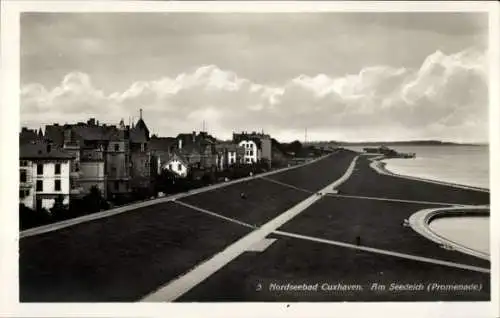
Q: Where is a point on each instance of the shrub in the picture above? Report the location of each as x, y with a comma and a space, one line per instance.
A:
29, 218
59, 210
92, 202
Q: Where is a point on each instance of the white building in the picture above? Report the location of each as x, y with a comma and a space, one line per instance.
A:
44, 175
176, 164
251, 151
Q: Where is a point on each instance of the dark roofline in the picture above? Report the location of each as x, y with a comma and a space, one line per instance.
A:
43, 157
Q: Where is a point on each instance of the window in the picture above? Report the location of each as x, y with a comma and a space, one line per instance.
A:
24, 163
39, 169
117, 185
179, 167
251, 152
57, 185
117, 147
23, 176
170, 167
142, 147
39, 185
57, 169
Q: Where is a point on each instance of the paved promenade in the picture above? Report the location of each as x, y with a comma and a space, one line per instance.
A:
291, 229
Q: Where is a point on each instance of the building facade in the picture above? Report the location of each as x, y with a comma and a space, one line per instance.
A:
257, 146
117, 163
228, 154
44, 175
114, 159
199, 150
140, 156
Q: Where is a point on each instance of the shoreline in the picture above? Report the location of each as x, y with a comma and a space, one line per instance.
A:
381, 165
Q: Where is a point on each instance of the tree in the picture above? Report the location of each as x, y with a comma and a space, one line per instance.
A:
166, 182
295, 147
31, 218
59, 210
94, 200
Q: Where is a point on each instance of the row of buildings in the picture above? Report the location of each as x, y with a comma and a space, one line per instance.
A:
68, 160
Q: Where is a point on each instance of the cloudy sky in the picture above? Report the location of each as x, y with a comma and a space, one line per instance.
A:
344, 76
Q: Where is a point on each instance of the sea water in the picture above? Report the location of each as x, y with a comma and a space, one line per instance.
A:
466, 165
476, 228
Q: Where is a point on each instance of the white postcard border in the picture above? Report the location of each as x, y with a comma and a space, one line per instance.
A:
9, 235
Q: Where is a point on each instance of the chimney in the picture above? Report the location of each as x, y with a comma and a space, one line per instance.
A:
194, 135
180, 144
140, 113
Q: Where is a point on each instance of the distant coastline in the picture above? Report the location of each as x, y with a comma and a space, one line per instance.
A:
399, 143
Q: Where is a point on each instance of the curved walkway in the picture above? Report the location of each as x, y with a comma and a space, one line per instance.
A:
420, 221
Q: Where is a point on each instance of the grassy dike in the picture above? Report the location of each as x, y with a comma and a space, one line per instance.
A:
380, 225
125, 256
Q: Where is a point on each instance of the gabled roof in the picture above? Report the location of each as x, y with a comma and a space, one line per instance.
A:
186, 138
229, 146
190, 149
42, 150
138, 134
28, 136
161, 143
55, 134
141, 125
115, 134
94, 133
175, 155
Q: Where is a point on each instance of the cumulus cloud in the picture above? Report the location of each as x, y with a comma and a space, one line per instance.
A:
446, 98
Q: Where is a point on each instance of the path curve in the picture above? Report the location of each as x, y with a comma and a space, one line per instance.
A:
420, 221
